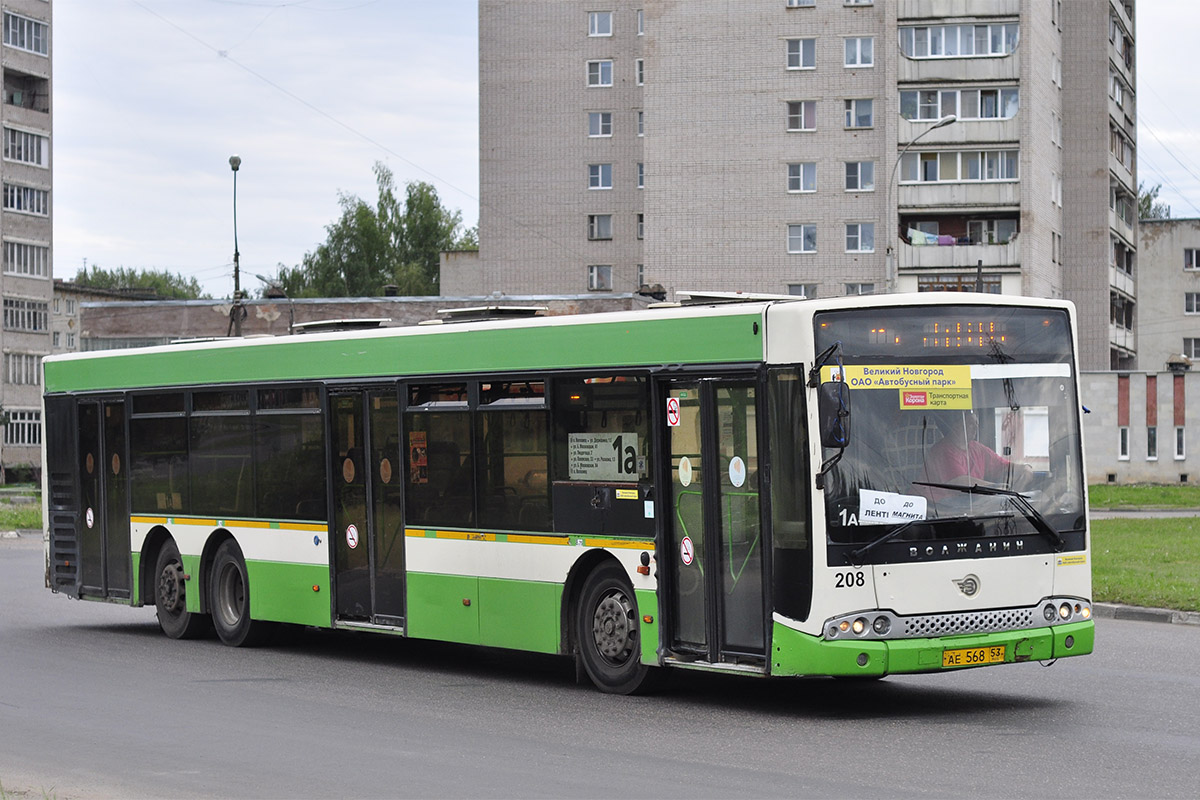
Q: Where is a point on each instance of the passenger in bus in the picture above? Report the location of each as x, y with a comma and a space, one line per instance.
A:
959, 457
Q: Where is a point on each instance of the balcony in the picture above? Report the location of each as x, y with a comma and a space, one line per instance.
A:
1118, 224
1119, 336
973, 195
958, 256
1121, 281
1121, 171
985, 132
993, 69
931, 9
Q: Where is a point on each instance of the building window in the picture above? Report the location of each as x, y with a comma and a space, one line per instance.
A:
953, 166
970, 282
1123, 443
801, 53
26, 200
860, 237
600, 176
802, 238
32, 260
959, 41
860, 51
641, 22
23, 368
966, 104
1191, 302
28, 34
1151, 443
1191, 258
802, 177
599, 278
1116, 89
600, 23
26, 315
56, 338
600, 123
1191, 348
70, 307
860, 288
71, 340
639, 71
27, 148
799, 3
991, 231
24, 428
600, 226
858, 2
1056, 247
860, 176
1180, 444
859, 114
806, 290
641, 179
641, 275
641, 123
641, 226
600, 73
802, 115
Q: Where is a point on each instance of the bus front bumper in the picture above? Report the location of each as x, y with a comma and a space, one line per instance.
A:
795, 653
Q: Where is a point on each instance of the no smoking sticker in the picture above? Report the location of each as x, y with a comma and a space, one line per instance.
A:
673, 412
352, 536
687, 551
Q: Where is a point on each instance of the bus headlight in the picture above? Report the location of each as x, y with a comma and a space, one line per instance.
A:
859, 626
1048, 612
1064, 611
881, 625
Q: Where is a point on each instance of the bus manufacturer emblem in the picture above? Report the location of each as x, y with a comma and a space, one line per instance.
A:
968, 585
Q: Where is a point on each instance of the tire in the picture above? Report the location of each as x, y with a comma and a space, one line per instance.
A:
607, 632
229, 600
170, 597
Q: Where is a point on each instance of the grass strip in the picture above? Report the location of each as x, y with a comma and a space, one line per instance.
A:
1147, 562
1107, 495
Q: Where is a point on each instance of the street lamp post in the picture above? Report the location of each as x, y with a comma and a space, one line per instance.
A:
235, 313
893, 219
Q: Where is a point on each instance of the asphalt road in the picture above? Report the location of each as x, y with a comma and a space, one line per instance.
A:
96, 703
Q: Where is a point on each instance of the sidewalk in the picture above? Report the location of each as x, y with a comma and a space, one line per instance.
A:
1139, 614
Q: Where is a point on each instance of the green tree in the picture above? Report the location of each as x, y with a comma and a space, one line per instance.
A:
1148, 205
168, 285
390, 243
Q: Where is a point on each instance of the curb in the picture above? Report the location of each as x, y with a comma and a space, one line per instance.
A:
1139, 614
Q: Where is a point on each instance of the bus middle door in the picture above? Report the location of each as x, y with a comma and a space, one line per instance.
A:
368, 534
714, 528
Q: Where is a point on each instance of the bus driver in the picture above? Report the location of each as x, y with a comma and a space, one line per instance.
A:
958, 457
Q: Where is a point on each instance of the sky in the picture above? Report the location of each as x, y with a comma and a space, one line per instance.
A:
153, 96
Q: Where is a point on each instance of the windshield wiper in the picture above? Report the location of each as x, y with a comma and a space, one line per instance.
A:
1019, 500
855, 556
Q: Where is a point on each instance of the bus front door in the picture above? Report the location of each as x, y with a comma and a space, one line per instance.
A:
104, 555
715, 534
368, 535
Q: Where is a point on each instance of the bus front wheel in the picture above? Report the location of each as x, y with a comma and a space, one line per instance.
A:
607, 632
170, 597
229, 599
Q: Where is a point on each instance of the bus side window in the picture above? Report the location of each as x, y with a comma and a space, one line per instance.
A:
158, 454
602, 450
440, 461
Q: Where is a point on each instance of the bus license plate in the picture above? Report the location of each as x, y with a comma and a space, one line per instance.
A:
970, 656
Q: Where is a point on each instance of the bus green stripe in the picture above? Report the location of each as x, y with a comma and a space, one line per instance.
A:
651, 341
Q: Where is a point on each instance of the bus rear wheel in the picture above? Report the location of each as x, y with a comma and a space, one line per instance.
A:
170, 597
606, 629
229, 599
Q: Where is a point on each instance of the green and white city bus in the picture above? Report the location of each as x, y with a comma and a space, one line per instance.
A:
763, 487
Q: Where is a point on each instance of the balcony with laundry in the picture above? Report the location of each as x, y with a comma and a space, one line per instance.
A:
958, 241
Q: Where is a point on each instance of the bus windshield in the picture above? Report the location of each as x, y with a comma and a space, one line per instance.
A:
964, 430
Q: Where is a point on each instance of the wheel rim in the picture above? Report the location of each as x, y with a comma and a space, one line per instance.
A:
170, 588
613, 628
231, 595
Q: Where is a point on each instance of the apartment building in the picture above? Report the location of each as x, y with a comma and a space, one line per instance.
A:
1169, 267
816, 147
26, 228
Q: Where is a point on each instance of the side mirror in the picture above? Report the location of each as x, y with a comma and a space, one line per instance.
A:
833, 408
